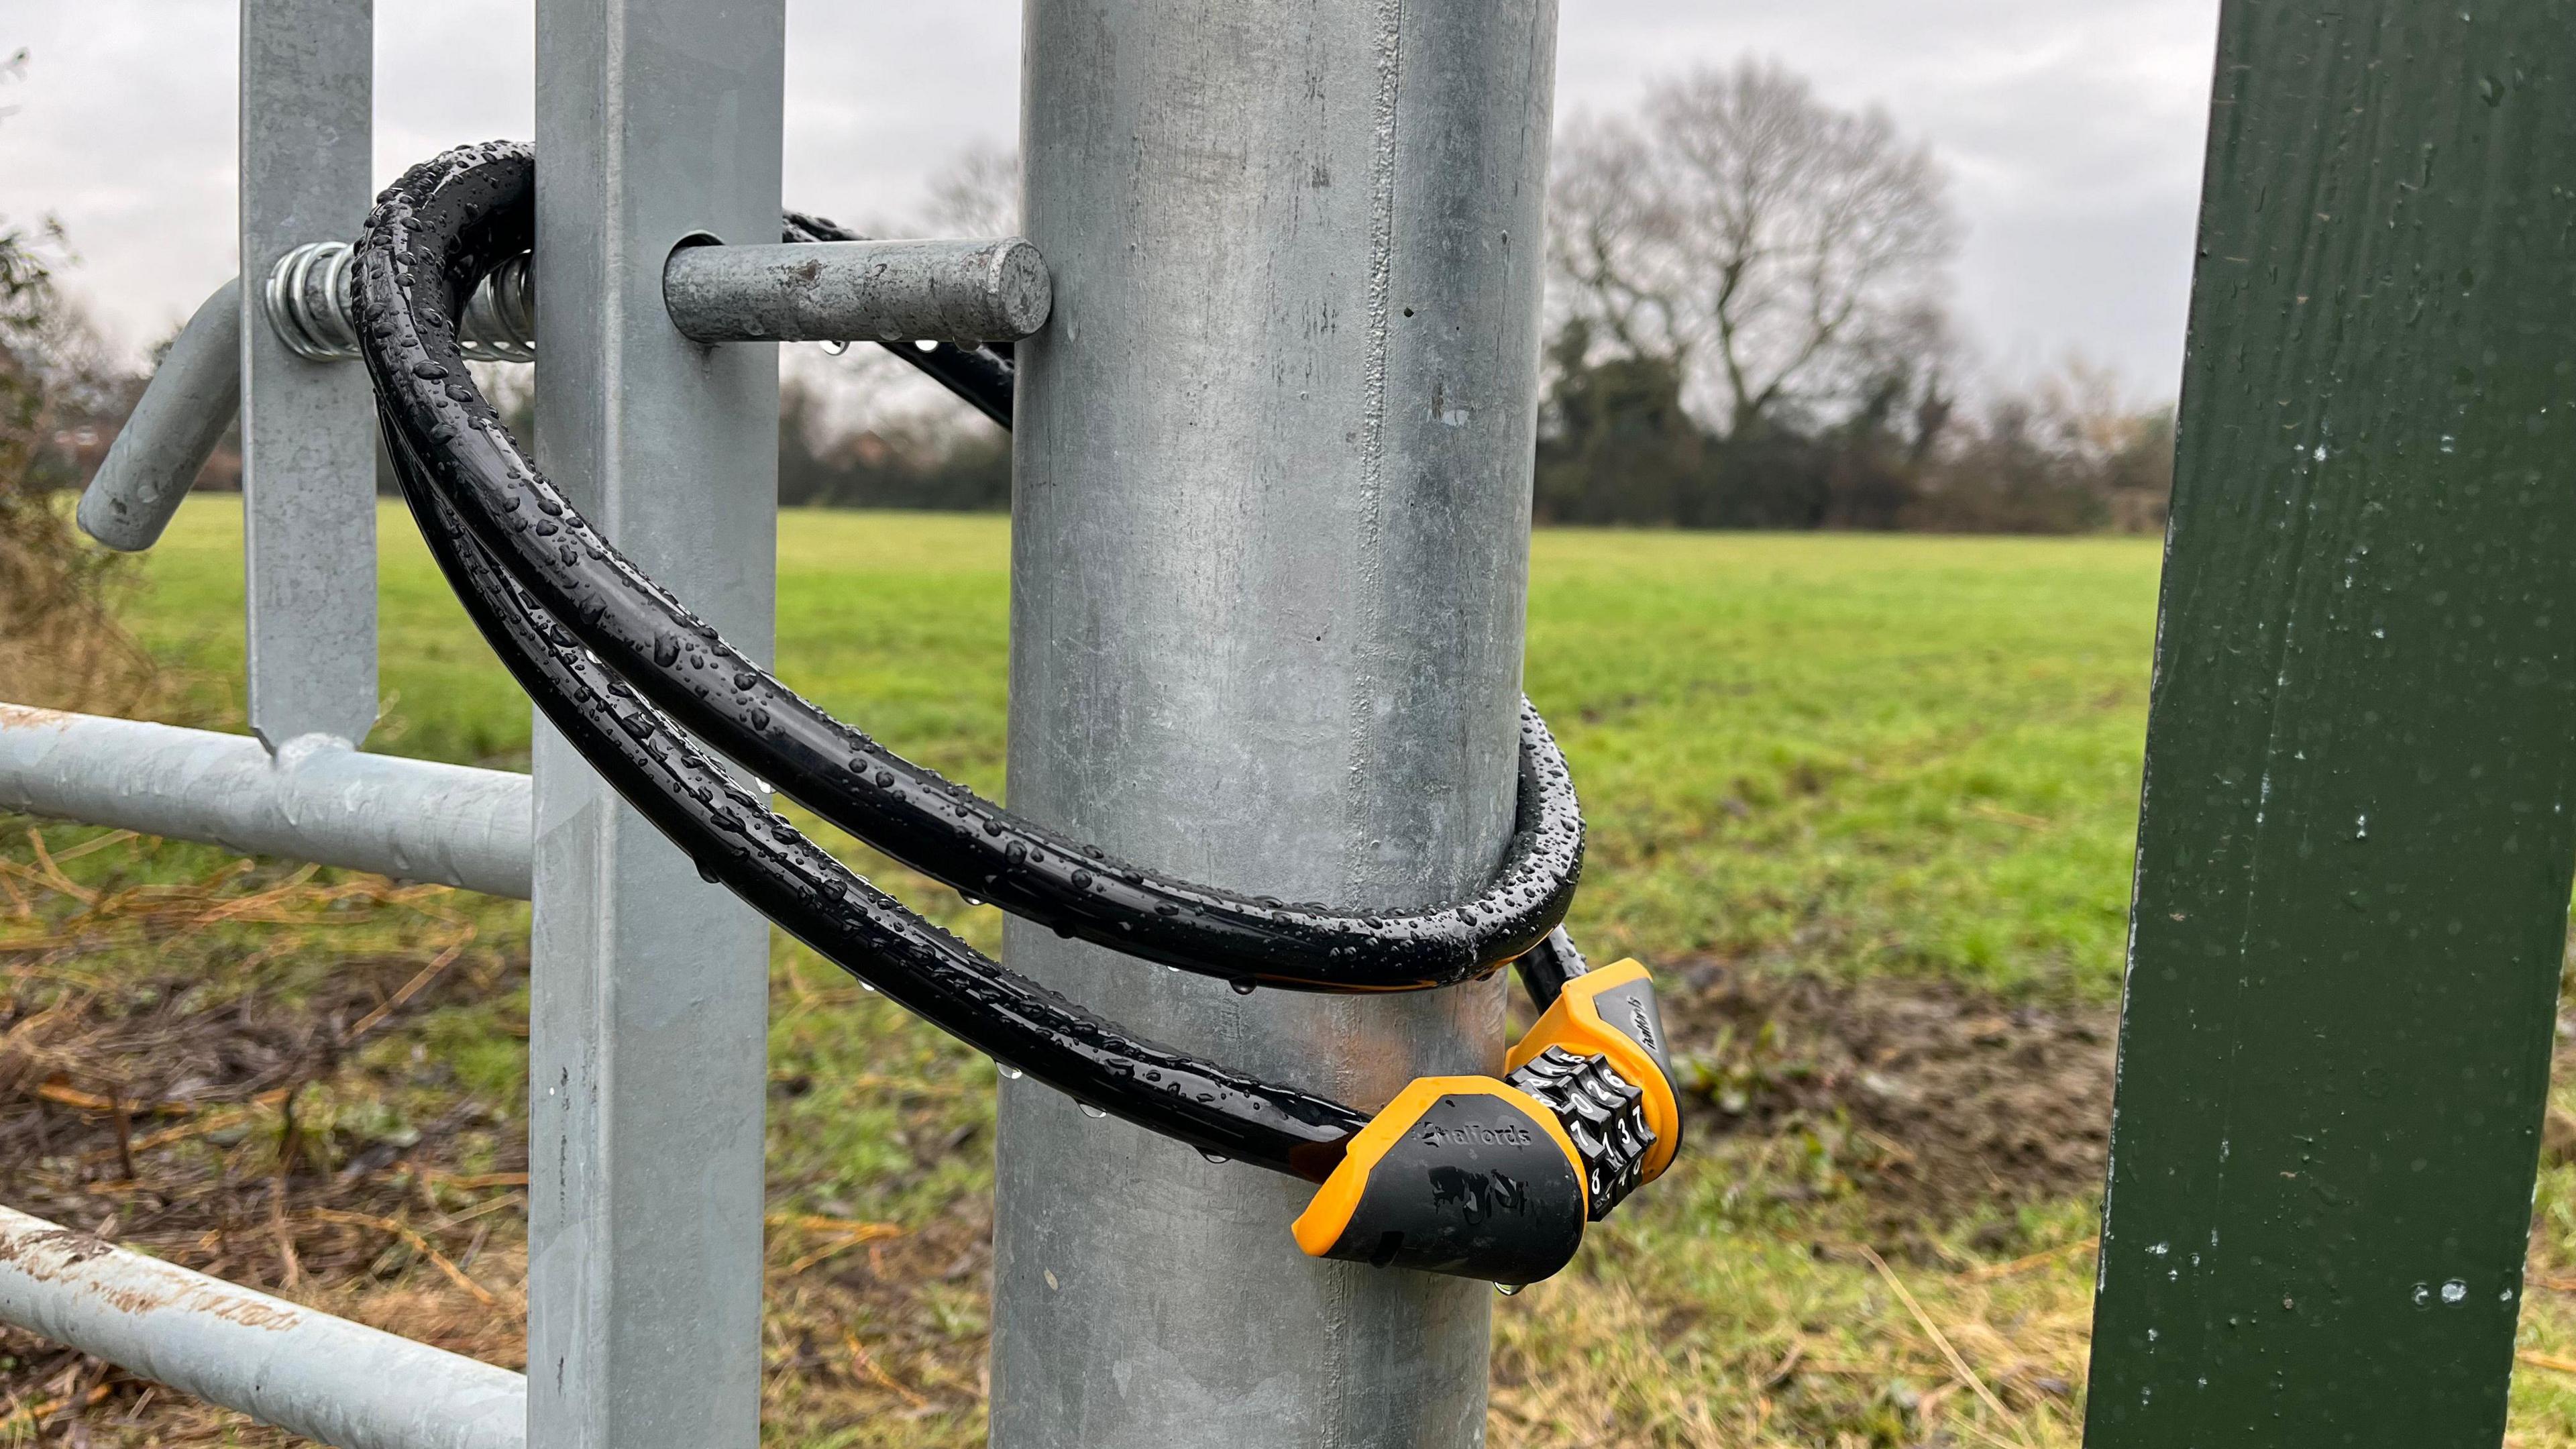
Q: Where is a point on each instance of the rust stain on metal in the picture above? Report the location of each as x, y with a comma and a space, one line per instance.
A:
70, 1249
21, 717
248, 1312
58, 1254
127, 1300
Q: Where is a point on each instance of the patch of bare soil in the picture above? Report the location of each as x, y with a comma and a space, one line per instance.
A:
241, 1133
309, 1143
1947, 1102
119, 1095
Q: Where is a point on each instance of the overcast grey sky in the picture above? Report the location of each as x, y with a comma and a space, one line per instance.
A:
2072, 129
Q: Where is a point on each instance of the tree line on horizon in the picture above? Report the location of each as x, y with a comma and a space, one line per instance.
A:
1748, 320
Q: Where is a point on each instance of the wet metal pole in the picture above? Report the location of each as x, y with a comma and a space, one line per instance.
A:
308, 428
658, 120
1270, 542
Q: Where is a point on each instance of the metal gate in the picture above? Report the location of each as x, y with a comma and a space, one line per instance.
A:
1286, 390
1320, 437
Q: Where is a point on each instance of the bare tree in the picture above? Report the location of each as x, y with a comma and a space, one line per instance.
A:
1779, 252
978, 195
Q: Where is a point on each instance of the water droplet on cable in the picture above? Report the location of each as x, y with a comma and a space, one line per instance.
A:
1089, 1110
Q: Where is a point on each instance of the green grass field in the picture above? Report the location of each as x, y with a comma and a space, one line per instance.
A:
1836, 757
1834, 754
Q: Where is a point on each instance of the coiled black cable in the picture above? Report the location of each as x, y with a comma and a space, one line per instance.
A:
909, 812
587, 634
769, 863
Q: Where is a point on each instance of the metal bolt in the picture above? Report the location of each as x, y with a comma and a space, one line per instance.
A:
844, 291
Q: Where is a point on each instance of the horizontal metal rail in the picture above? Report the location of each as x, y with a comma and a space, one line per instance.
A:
317, 799
849, 291
836, 291
302, 1370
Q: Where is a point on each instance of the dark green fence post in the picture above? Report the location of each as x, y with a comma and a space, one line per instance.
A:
2353, 865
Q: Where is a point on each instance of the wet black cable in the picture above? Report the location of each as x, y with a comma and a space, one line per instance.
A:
458, 215
432, 238
735, 839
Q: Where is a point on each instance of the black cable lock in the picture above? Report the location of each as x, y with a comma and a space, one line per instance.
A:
1467, 1175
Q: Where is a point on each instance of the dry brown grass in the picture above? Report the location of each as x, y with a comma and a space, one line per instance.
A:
60, 644
1747, 1343
256, 1072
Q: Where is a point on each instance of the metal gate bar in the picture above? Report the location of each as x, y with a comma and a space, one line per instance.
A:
659, 121
308, 428
323, 1377
950, 290
193, 396
316, 800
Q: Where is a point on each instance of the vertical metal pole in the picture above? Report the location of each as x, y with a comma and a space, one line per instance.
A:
308, 428
2360, 813
656, 120
1269, 560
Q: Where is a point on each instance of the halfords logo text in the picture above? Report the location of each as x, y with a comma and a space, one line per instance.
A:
1467, 1134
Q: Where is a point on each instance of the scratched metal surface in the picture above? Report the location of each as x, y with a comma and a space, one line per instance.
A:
325, 1378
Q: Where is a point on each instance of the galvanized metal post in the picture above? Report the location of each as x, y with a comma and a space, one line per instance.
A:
308, 428
658, 120
1271, 527
2360, 813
